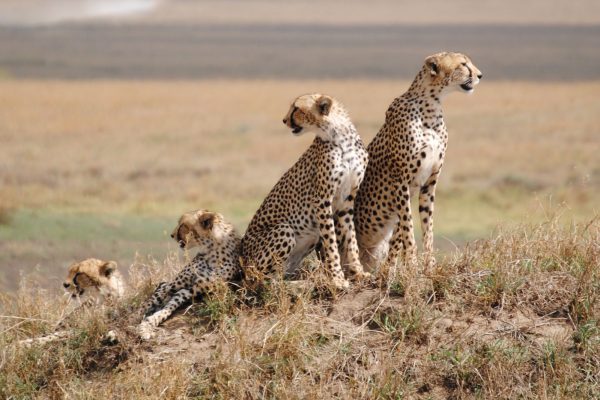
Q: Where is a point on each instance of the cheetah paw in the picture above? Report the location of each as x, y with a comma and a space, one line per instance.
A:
146, 331
341, 283
363, 276
110, 338
358, 273
430, 264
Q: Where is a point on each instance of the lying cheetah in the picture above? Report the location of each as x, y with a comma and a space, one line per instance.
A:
406, 156
90, 281
94, 277
218, 259
314, 200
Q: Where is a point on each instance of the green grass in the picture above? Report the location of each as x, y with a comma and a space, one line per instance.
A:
44, 240
41, 243
62, 226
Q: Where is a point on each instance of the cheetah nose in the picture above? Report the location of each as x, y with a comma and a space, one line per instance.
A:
172, 236
285, 120
66, 285
480, 75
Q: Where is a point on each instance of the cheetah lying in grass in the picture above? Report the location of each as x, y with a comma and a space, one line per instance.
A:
90, 282
218, 259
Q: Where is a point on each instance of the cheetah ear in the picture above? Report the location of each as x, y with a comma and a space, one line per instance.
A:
206, 220
432, 66
433, 63
108, 268
324, 104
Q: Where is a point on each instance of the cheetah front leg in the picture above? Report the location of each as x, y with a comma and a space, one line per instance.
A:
147, 326
426, 199
157, 299
202, 280
346, 235
329, 243
152, 317
395, 247
403, 238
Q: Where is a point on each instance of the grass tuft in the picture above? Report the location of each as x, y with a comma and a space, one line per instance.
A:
515, 316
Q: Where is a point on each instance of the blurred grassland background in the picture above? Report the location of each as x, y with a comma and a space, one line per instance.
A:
110, 128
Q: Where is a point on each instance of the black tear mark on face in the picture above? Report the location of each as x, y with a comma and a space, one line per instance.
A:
468, 69
295, 127
78, 290
179, 237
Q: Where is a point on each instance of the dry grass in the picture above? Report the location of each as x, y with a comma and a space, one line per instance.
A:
515, 316
104, 169
118, 145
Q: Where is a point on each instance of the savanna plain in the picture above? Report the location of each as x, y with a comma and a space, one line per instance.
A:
105, 168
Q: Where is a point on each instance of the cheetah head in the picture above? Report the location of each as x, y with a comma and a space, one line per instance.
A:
93, 275
310, 112
454, 71
198, 228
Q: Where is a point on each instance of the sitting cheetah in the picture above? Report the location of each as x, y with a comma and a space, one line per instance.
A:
313, 202
218, 258
98, 281
406, 156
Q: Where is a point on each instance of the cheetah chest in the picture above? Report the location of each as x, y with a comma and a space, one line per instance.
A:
429, 160
349, 173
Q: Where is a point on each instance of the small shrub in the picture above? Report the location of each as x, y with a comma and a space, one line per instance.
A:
402, 324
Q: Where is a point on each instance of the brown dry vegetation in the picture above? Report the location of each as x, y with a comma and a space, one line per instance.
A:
515, 316
104, 168
125, 146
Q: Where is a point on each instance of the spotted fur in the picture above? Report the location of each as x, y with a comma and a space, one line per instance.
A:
89, 282
314, 200
217, 260
95, 278
405, 158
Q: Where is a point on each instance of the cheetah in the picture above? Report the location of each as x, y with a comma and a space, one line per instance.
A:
218, 259
313, 203
91, 281
406, 158
99, 278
